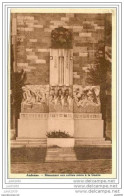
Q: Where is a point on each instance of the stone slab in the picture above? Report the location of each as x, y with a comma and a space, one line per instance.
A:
27, 142
61, 142
66, 156
32, 128
88, 128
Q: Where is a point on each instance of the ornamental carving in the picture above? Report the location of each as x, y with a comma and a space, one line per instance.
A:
44, 99
60, 99
86, 99
35, 98
61, 38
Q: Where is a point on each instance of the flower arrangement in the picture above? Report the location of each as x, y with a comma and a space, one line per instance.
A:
58, 134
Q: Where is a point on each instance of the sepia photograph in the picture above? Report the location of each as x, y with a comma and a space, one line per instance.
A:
60, 92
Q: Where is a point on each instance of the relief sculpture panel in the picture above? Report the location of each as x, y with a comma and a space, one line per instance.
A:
60, 99
35, 99
87, 99
44, 99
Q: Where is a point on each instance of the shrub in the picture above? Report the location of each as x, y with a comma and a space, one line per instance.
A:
58, 134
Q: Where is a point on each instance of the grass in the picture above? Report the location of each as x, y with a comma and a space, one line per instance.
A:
21, 155
91, 160
38, 154
88, 153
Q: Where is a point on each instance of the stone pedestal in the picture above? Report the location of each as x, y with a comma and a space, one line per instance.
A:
88, 125
62, 122
88, 128
32, 125
36, 125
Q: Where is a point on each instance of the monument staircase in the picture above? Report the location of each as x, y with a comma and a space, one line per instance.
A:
26, 142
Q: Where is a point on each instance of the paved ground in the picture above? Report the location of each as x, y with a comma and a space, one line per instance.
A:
89, 160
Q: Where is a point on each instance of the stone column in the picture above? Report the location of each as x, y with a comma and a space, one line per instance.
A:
54, 67
61, 67
71, 67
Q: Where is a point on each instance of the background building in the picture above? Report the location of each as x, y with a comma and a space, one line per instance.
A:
61, 54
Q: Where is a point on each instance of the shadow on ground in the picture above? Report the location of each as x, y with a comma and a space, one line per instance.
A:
22, 155
38, 154
88, 153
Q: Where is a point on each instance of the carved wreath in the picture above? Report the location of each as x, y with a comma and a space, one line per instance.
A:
61, 38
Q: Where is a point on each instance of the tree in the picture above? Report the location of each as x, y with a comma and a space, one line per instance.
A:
18, 80
98, 75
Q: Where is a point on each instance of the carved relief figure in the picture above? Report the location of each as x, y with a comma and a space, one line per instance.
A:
33, 96
60, 99
86, 99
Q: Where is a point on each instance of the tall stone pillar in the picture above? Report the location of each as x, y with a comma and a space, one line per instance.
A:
61, 101
61, 67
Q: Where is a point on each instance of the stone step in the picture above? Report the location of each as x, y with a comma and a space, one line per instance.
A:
84, 142
50, 159
62, 150
31, 139
97, 146
22, 142
20, 145
36, 145
90, 139
92, 142
27, 142
60, 154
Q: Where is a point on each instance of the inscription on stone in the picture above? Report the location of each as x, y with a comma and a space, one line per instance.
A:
60, 116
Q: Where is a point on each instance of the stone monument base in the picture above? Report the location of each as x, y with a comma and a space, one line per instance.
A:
32, 125
86, 129
61, 121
